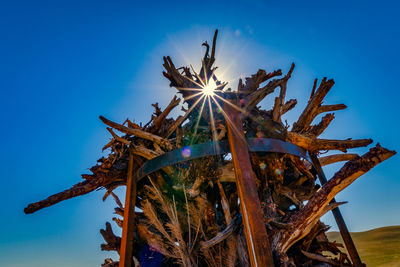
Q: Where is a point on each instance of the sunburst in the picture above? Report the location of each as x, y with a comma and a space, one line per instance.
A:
207, 92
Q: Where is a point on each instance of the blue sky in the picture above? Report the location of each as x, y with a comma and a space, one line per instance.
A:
64, 63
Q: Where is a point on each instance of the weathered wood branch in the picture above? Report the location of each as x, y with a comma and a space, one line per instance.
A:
336, 158
258, 95
131, 124
144, 152
313, 144
224, 234
116, 138
110, 263
159, 119
113, 242
181, 119
313, 89
254, 81
118, 221
311, 110
227, 173
206, 71
117, 200
282, 93
302, 222
214, 46
290, 104
328, 108
319, 257
173, 75
318, 129
139, 133
276, 114
79, 189
224, 203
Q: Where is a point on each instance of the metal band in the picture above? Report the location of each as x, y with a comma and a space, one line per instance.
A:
217, 148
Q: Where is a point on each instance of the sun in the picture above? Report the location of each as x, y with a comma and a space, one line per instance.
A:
209, 88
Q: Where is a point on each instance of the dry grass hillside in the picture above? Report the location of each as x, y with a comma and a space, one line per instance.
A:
378, 247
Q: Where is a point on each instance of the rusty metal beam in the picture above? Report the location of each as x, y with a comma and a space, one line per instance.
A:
210, 148
257, 241
348, 241
126, 250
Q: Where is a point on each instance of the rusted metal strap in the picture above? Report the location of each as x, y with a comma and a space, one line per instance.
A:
126, 250
257, 240
217, 148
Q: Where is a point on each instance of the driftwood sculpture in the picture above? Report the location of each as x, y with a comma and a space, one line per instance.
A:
189, 212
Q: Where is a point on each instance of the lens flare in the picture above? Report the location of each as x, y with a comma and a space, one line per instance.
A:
263, 166
186, 152
278, 171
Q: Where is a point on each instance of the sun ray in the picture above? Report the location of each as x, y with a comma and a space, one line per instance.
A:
244, 112
183, 118
198, 76
213, 130
179, 49
212, 75
193, 106
188, 89
198, 121
193, 81
230, 64
234, 128
192, 96
219, 85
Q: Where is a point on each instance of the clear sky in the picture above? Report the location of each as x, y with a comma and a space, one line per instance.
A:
64, 63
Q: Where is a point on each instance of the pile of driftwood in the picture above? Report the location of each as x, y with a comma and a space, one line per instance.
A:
189, 213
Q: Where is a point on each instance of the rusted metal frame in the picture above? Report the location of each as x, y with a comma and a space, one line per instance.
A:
348, 241
126, 249
216, 148
257, 240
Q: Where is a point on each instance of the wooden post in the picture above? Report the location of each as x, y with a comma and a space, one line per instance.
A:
348, 241
258, 245
126, 250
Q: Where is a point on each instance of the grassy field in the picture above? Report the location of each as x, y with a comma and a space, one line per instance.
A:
377, 247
